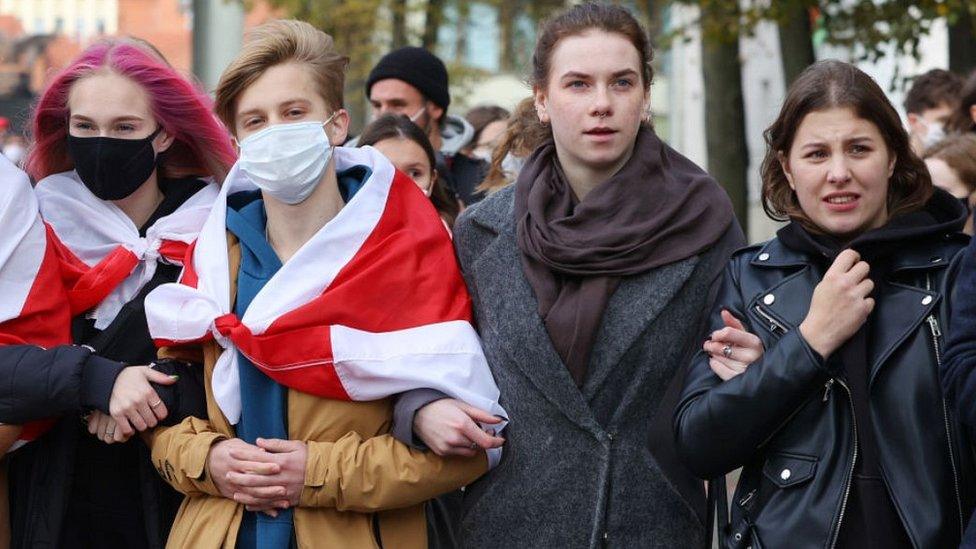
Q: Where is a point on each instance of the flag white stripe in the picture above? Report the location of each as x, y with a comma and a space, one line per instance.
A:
92, 228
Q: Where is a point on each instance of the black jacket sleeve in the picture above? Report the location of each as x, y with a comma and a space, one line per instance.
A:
185, 398
38, 383
958, 369
718, 425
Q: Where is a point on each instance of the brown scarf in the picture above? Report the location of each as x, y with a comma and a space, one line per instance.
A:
658, 209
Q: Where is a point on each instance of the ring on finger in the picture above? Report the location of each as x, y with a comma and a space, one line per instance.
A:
473, 446
727, 351
157, 403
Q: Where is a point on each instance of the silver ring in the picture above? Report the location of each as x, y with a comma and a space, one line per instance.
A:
727, 351
157, 403
474, 445
109, 433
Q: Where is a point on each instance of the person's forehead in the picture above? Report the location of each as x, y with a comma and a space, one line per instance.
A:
394, 88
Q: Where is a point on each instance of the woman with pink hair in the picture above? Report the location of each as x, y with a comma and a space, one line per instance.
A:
125, 152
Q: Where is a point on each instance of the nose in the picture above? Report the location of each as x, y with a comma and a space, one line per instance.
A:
838, 171
601, 106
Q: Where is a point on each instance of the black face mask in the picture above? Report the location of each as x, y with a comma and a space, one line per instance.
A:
112, 169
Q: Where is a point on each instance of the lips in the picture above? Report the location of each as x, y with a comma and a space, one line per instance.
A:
841, 202
600, 131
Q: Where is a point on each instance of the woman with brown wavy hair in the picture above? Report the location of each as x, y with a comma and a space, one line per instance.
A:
821, 379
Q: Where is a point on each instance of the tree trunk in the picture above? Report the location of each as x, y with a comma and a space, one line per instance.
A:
461, 32
725, 122
795, 42
399, 9
962, 44
432, 24
507, 11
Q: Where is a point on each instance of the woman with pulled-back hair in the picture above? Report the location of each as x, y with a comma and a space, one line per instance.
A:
589, 277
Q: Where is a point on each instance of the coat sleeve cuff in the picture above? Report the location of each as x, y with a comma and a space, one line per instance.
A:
196, 461
406, 408
97, 381
316, 471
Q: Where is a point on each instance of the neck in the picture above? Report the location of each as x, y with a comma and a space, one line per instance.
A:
290, 226
141, 204
583, 178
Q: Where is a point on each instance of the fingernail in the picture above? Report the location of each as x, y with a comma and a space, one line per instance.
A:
175, 377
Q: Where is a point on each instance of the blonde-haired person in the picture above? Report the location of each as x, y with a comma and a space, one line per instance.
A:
952, 165
343, 291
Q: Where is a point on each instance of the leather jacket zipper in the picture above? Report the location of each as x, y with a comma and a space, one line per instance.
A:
773, 325
827, 387
850, 473
936, 333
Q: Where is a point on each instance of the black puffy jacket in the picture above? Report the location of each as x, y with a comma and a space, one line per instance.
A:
789, 421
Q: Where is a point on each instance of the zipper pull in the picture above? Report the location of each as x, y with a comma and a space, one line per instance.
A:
827, 387
934, 325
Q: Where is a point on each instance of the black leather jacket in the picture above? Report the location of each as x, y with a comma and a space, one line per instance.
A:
788, 419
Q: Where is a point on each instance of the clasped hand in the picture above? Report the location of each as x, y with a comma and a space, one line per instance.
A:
265, 477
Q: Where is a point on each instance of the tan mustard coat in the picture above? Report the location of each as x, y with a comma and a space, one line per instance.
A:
356, 472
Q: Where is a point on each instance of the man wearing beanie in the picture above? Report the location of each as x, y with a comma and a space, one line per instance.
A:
413, 82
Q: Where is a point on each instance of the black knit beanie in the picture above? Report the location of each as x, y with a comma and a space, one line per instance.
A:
417, 67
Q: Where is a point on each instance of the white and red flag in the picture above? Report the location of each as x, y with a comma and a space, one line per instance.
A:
97, 232
372, 306
34, 302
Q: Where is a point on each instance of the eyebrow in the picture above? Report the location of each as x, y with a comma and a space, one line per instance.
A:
283, 104
618, 74
822, 142
126, 118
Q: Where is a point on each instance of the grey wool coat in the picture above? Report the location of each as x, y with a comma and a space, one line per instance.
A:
589, 467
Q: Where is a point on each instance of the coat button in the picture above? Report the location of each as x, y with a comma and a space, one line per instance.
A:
926, 300
786, 474
768, 299
763, 256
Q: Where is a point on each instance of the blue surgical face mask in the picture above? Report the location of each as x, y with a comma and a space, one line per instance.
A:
287, 161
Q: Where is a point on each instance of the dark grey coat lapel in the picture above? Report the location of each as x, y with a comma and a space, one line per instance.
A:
636, 303
514, 318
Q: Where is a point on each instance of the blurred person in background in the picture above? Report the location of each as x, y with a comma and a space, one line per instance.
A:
405, 144
952, 165
489, 123
523, 134
929, 105
413, 81
125, 152
963, 118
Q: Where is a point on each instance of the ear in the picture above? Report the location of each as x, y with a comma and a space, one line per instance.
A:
972, 112
784, 163
434, 112
433, 176
338, 129
913, 119
542, 106
891, 164
162, 142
